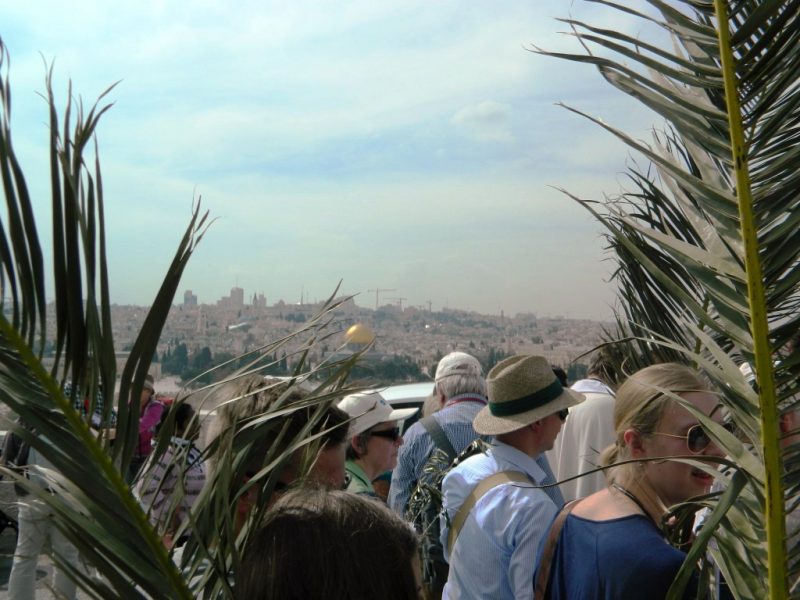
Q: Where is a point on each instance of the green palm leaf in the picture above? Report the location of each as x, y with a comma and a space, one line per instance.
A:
94, 507
706, 239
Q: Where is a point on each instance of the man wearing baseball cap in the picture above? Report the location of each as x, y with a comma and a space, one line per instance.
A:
460, 391
497, 514
374, 439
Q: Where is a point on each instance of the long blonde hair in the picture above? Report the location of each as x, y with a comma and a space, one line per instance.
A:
640, 405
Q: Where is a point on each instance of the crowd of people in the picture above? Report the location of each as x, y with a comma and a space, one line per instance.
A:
549, 491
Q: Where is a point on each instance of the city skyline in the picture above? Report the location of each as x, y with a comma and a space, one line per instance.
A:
257, 298
402, 146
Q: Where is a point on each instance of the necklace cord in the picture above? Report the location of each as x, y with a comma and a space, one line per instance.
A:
632, 498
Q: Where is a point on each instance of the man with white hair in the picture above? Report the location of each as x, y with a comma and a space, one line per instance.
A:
461, 393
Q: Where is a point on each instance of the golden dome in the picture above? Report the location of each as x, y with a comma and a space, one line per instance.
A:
359, 334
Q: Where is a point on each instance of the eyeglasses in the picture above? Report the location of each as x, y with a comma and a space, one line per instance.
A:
391, 434
562, 414
697, 438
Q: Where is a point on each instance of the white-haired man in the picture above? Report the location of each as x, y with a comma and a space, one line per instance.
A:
497, 514
460, 390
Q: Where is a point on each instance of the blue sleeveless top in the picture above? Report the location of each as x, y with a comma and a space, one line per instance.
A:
625, 558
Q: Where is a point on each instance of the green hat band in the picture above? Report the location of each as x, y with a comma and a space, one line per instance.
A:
526, 403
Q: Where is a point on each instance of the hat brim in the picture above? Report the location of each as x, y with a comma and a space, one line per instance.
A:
485, 423
401, 414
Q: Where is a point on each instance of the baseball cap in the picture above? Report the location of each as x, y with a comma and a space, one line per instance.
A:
370, 408
458, 363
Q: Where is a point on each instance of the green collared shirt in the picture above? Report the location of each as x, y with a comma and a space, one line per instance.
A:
359, 482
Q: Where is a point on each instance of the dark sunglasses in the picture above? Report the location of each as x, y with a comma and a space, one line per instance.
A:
697, 438
391, 434
562, 414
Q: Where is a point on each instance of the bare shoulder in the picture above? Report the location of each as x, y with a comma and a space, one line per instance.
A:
602, 506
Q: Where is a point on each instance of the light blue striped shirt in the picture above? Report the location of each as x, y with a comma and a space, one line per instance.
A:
456, 421
496, 552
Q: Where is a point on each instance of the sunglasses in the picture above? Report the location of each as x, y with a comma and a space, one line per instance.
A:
390, 434
562, 414
697, 438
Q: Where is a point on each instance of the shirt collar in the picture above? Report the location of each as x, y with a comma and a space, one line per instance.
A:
356, 471
593, 386
519, 459
467, 398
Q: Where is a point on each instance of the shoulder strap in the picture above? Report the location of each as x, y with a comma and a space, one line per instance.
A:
436, 432
477, 493
549, 549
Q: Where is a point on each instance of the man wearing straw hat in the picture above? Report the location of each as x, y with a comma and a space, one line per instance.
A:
496, 513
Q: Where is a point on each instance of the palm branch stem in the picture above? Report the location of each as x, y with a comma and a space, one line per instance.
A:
777, 579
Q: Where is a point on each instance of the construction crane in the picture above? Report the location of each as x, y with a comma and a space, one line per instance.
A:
378, 292
399, 302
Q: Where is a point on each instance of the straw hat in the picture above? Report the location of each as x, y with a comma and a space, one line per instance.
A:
522, 390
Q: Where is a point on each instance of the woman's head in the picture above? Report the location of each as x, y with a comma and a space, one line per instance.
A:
376, 448
253, 397
374, 433
317, 545
651, 424
148, 391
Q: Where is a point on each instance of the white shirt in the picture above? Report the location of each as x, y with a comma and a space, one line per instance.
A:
588, 430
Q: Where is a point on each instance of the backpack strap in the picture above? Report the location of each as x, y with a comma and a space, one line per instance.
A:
436, 432
476, 494
549, 549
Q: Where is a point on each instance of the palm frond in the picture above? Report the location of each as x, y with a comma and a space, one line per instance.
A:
706, 237
94, 508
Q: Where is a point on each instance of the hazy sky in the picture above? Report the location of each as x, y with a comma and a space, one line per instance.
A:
408, 145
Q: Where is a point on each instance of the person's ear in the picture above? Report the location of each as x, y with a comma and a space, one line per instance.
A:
536, 426
440, 395
635, 441
357, 444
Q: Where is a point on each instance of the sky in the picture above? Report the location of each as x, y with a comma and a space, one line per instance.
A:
415, 146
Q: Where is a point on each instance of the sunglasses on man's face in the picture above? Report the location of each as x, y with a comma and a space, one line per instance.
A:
562, 414
697, 438
391, 434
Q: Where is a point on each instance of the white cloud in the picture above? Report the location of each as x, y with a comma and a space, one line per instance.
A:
353, 139
486, 120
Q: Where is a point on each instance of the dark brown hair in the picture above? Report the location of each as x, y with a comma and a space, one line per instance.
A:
361, 443
255, 397
318, 545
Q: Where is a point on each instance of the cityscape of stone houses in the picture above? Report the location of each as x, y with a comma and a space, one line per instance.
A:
236, 324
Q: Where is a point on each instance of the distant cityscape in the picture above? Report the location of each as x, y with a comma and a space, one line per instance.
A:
411, 338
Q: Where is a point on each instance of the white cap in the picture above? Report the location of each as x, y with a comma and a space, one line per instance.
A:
458, 363
370, 408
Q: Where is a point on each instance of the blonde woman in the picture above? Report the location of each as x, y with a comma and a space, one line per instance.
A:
611, 544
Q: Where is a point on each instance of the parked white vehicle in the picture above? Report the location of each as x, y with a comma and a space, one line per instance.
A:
408, 395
